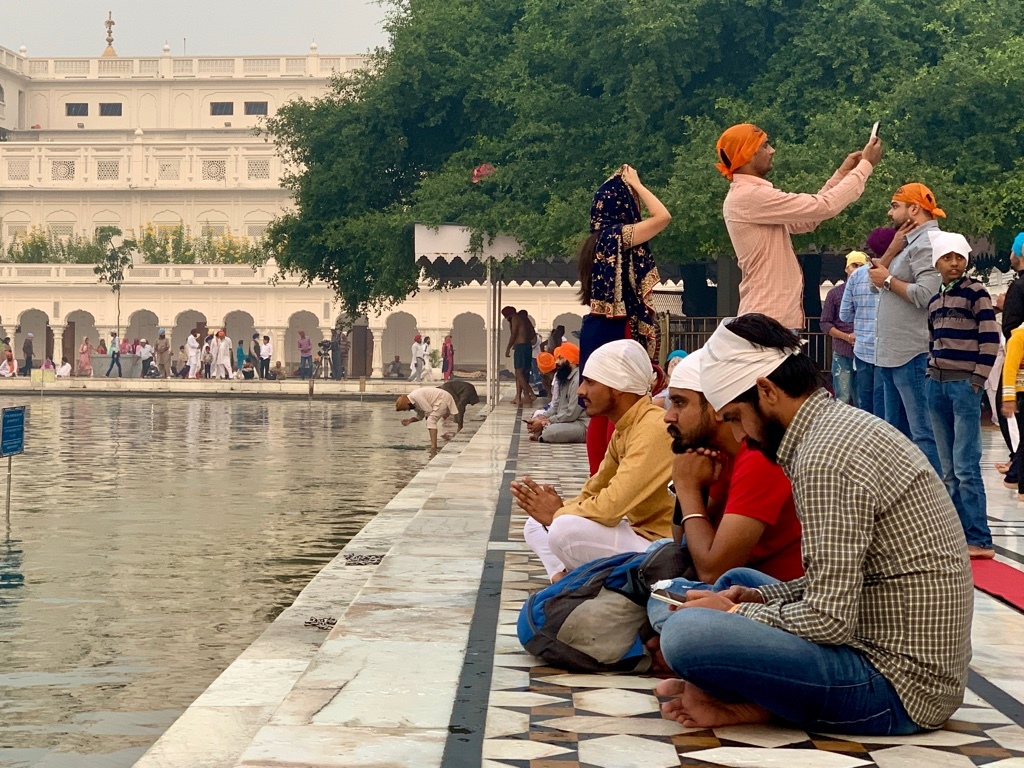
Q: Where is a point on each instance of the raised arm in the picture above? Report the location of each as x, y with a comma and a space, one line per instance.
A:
659, 215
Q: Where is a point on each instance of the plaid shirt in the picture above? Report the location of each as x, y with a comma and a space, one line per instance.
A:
886, 564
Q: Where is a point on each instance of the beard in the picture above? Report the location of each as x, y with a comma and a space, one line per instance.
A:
563, 372
773, 432
695, 438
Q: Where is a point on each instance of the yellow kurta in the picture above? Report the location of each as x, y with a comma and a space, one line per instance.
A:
633, 478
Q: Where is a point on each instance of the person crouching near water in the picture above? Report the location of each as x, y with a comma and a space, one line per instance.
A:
431, 403
875, 638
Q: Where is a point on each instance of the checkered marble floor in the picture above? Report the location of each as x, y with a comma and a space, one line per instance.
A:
541, 717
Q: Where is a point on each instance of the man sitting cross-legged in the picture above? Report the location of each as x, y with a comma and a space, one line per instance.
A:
876, 637
735, 507
567, 421
626, 505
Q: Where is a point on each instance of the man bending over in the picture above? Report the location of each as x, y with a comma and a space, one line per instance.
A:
430, 403
876, 637
626, 504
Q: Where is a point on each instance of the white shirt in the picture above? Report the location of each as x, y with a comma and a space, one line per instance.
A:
146, 353
266, 351
417, 351
8, 369
64, 371
436, 404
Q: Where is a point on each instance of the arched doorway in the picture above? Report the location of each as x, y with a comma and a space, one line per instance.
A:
572, 323
142, 324
36, 322
300, 321
399, 330
470, 340
184, 323
240, 326
78, 325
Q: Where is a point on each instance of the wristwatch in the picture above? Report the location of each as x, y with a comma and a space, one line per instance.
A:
887, 284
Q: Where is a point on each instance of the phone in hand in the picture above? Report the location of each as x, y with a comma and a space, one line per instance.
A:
671, 598
874, 129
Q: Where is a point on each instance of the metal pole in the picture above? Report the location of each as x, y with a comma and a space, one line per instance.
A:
10, 462
489, 329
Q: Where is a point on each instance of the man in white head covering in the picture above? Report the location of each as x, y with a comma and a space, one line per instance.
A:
734, 506
876, 637
626, 504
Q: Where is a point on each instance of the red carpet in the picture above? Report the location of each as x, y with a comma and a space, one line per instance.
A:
1000, 580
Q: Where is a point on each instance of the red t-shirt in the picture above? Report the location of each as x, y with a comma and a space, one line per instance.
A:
756, 488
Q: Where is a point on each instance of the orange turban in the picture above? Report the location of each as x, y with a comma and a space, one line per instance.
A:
737, 147
545, 362
921, 195
569, 352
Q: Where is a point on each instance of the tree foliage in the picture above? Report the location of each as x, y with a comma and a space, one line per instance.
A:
557, 94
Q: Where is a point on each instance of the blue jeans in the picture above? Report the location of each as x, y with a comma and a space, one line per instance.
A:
115, 359
870, 389
956, 421
842, 378
905, 391
658, 612
305, 366
821, 688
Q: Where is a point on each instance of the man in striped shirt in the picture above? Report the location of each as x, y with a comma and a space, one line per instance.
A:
964, 342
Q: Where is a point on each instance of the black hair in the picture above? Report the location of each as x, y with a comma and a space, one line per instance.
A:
585, 258
798, 376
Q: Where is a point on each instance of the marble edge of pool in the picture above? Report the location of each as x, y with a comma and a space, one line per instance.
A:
379, 688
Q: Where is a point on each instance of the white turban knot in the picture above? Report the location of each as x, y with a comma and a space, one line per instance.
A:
732, 365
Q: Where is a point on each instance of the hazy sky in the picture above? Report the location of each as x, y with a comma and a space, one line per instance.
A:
75, 27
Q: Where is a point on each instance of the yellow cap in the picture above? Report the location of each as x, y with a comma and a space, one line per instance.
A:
856, 257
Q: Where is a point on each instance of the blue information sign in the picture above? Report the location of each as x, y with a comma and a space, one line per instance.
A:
12, 431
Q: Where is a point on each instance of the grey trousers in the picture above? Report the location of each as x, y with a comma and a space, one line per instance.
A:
570, 432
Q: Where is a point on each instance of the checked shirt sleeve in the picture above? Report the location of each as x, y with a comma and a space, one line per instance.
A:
837, 532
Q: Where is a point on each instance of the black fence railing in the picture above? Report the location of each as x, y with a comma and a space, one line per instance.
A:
690, 333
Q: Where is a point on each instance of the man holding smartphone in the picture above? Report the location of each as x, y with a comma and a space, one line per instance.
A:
761, 218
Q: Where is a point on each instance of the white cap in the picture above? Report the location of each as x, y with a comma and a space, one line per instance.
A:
686, 374
948, 242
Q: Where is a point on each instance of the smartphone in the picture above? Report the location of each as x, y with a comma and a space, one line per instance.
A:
874, 129
669, 597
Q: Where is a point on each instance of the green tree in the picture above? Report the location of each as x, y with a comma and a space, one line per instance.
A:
556, 95
116, 259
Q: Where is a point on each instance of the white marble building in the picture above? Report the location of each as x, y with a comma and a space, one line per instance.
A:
158, 140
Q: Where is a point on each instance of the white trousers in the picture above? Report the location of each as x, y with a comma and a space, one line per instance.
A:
571, 540
222, 371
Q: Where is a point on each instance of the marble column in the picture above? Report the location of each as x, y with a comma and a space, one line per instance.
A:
377, 338
280, 353
58, 344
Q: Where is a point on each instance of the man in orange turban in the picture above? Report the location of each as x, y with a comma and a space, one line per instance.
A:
761, 218
564, 420
906, 280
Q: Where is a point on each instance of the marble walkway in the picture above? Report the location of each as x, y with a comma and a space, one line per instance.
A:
423, 668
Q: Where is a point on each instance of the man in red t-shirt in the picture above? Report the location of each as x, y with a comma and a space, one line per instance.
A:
734, 506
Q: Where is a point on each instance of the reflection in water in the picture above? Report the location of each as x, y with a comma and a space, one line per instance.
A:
152, 540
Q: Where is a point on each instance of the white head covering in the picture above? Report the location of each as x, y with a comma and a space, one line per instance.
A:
948, 242
732, 365
622, 365
686, 374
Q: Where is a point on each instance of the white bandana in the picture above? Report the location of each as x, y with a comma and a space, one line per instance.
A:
732, 365
622, 365
948, 242
686, 374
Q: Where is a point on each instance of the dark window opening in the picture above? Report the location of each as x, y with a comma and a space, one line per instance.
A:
110, 110
256, 108
222, 108
76, 110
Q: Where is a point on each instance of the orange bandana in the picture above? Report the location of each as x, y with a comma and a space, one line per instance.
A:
545, 362
920, 195
737, 147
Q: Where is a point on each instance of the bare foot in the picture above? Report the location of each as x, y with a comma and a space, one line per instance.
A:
693, 708
980, 553
515, 401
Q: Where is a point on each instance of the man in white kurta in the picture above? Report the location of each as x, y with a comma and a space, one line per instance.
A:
430, 403
222, 351
192, 349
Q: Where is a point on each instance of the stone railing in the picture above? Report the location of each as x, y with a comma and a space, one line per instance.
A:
187, 274
167, 66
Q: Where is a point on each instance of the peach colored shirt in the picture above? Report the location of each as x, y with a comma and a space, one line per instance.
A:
760, 220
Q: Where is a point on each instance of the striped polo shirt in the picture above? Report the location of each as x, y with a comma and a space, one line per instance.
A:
963, 333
